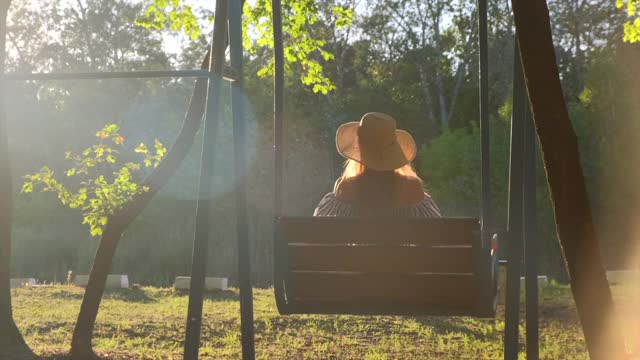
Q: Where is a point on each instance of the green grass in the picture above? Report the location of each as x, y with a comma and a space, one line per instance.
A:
149, 323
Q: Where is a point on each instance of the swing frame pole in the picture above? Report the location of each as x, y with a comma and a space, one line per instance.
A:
485, 169
515, 215
521, 222
241, 173
278, 152
529, 233
278, 108
202, 227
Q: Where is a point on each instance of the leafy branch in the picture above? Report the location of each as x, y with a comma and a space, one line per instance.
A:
98, 196
631, 28
300, 48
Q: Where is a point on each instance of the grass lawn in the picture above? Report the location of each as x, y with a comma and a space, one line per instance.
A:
149, 323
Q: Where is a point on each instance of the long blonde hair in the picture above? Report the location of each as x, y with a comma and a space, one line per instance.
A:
353, 168
376, 192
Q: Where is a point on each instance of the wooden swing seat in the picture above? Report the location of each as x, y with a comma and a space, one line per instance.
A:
375, 266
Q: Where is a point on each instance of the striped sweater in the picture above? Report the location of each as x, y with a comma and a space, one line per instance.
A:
331, 206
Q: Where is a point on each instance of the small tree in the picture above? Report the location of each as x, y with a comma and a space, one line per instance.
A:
89, 186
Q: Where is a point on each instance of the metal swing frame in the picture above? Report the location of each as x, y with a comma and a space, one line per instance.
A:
521, 221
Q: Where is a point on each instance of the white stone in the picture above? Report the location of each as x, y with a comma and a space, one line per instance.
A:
542, 281
622, 276
113, 281
210, 283
22, 282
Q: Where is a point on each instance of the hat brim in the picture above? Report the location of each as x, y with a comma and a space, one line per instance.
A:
395, 157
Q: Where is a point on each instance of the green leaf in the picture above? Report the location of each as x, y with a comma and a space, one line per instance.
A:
96, 231
133, 166
586, 96
631, 8
142, 148
27, 187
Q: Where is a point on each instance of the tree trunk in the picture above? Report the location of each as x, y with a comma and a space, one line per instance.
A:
577, 18
566, 180
462, 70
426, 93
81, 341
442, 101
12, 344
11, 340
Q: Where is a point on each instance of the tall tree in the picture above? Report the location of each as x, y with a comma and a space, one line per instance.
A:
58, 35
11, 341
437, 38
577, 39
414, 28
52, 37
566, 181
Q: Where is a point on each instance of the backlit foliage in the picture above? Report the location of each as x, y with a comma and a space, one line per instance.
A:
631, 27
85, 185
300, 46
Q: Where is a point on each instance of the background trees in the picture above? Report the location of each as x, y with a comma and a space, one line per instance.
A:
415, 60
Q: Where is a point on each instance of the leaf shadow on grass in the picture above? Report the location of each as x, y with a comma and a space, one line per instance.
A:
130, 295
215, 295
127, 295
65, 356
145, 297
446, 325
66, 294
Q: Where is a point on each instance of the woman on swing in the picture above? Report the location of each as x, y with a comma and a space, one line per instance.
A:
378, 179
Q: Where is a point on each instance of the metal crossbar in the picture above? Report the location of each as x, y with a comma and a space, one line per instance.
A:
228, 75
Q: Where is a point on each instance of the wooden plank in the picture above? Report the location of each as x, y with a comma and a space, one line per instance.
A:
381, 259
335, 230
382, 288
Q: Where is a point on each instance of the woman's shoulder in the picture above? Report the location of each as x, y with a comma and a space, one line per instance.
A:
411, 192
330, 205
345, 189
427, 207
417, 200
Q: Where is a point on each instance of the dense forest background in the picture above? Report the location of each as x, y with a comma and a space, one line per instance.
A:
415, 60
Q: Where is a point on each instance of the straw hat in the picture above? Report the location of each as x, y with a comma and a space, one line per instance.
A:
375, 142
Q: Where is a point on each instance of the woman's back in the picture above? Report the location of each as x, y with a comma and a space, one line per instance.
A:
378, 194
378, 179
